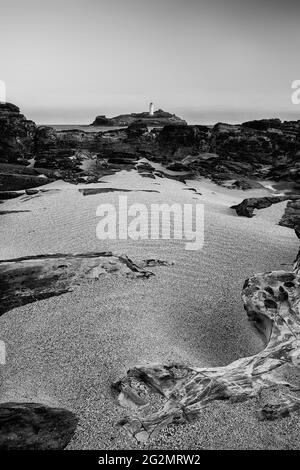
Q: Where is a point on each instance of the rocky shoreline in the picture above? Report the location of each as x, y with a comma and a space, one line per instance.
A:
236, 156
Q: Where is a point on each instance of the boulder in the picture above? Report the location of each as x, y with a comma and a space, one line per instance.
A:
247, 206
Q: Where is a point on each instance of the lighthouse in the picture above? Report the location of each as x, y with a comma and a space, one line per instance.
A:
151, 109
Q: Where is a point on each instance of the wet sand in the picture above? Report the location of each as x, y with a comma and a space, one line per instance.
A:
69, 349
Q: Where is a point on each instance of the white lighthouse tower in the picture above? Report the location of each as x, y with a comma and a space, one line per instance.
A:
151, 109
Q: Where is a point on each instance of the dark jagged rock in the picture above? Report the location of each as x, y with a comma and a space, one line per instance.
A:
247, 206
177, 166
16, 181
32, 278
60, 149
101, 121
66, 151
10, 194
179, 141
231, 155
263, 124
12, 212
159, 118
291, 216
136, 129
16, 134
269, 146
33, 426
145, 169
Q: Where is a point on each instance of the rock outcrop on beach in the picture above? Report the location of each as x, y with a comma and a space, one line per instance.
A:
159, 118
225, 153
291, 216
156, 395
34, 426
17, 135
255, 148
78, 156
236, 156
32, 278
247, 206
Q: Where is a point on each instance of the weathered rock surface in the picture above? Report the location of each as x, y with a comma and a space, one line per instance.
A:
33, 426
291, 216
16, 134
159, 118
68, 152
247, 206
270, 147
29, 279
156, 395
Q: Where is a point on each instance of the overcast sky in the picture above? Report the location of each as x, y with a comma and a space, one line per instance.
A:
64, 61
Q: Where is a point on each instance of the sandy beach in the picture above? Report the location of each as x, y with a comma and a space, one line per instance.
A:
68, 350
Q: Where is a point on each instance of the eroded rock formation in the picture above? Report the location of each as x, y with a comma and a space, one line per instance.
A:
156, 395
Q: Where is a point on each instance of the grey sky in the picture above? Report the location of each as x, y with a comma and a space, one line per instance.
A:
208, 60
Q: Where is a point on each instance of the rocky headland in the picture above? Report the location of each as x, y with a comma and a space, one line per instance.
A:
159, 118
